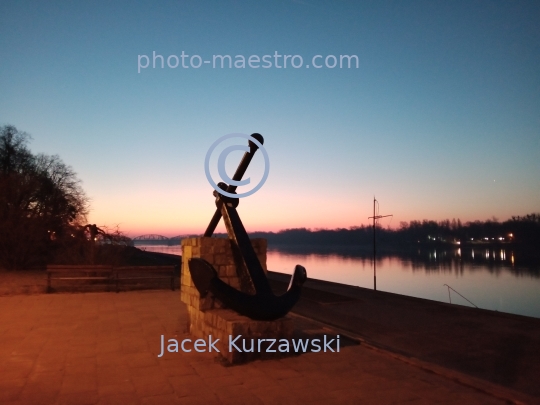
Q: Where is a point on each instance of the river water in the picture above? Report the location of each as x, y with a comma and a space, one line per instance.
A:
490, 278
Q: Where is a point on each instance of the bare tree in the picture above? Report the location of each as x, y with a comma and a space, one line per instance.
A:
41, 199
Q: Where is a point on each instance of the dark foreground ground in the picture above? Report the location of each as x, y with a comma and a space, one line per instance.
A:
497, 347
101, 348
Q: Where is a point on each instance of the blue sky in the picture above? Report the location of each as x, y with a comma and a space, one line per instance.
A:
441, 119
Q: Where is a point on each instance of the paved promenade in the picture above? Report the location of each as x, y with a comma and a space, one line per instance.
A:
101, 348
500, 348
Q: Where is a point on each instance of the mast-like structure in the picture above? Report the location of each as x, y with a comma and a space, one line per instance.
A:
375, 218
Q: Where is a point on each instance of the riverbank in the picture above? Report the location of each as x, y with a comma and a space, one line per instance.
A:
480, 348
104, 348
492, 346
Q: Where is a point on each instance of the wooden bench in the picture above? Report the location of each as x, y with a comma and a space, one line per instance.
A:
134, 273
79, 272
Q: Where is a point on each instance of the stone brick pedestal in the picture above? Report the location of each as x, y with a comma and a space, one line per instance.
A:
207, 316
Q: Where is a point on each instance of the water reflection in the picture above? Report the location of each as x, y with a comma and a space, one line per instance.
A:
495, 260
486, 277
493, 278
428, 259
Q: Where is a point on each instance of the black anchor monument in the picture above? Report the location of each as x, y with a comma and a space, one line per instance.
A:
262, 304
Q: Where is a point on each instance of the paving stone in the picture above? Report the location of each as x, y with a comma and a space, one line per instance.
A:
154, 371
78, 398
81, 367
133, 343
10, 372
211, 369
200, 399
108, 360
112, 375
107, 366
10, 390
171, 399
139, 359
80, 352
255, 382
186, 386
178, 370
239, 399
117, 387
119, 399
279, 372
42, 388
77, 383
222, 382
108, 346
269, 395
295, 383
151, 385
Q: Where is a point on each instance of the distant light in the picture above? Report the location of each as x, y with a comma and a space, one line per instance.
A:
472, 238
511, 235
458, 242
500, 238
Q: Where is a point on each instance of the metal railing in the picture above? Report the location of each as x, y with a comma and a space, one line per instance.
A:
450, 298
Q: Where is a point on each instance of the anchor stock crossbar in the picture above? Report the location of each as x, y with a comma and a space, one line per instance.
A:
240, 171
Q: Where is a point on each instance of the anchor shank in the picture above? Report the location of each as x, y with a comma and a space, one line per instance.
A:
255, 298
240, 171
239, 236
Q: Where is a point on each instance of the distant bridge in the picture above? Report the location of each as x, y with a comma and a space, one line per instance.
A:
153, 239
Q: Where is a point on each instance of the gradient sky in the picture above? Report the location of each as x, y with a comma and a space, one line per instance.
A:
440, 120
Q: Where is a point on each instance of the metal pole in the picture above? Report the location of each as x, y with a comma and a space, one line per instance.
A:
375, 217
374, 251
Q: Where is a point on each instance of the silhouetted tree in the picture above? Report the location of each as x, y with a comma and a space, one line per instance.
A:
90, 244
41, 200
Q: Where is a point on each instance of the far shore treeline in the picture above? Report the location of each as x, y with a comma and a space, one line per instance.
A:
521, 231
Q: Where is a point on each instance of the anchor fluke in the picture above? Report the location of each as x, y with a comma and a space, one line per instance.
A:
260, 306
